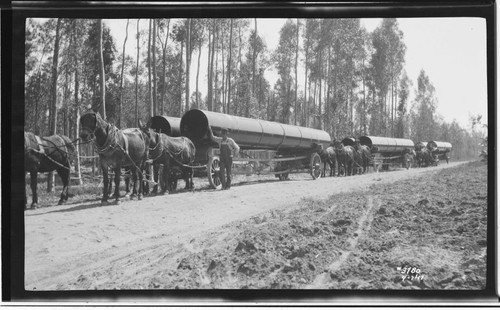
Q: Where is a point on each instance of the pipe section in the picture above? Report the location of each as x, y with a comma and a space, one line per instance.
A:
251, 133
168, 125
387, 145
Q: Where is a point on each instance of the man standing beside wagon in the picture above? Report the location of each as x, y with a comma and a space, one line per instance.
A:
228, 148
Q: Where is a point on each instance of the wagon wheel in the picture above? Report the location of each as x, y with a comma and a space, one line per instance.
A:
316, 166
213, 171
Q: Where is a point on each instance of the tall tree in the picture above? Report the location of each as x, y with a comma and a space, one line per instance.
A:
284, 61
189, 51
296, 111
121, 77
424, 109
102, 74
404, 94
164, 63
229, 65
254, 58
200, 44
155, 105
136, 120
75, 54
53, 101
150, 91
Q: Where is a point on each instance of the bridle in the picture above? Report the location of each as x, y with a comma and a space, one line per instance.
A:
110, 136
158, 149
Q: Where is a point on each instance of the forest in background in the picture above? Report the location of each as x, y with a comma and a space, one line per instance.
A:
354, 80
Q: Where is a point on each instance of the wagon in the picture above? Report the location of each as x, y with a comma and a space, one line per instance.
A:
388, 151
265, 147
439, 150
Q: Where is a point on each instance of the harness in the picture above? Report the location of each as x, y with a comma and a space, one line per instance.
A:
41, 149
158, 149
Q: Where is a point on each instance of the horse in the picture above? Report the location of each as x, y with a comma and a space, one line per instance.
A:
46, 154
174, 153
329, 157
127, 148
347, 157
365, 155
423, 157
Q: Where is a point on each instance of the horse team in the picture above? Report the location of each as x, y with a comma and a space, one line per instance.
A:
133, 148
348, 159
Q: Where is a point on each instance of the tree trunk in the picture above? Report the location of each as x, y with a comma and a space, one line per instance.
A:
150, 93
198, 69
295, 111
103, 77
164, 83
180, 79
137, 77
229, 66
320, 88
254, 60
53, 101
155, 103
328, 84
306, 99
188, 61
223, 82
238, 84
121, 78
77, 104
211, 39
216, 81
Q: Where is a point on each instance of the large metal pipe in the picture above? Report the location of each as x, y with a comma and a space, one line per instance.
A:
168, 125
251, 133
440, 147
387, 145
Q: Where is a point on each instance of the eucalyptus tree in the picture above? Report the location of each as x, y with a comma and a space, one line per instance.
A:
284, 60
121, 76
402, 108
424, 110
163, 31
387, 63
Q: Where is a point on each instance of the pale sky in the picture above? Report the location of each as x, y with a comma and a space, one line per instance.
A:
452, 51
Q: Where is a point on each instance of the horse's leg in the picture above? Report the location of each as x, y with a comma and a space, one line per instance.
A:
191, 176
140, 176
126, 177
166, 175
188, 178
105, 193
64, 175
33, 184
110, 186
133, 174
118, 171
156, 169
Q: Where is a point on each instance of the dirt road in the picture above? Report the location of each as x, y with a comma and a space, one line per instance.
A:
86, 246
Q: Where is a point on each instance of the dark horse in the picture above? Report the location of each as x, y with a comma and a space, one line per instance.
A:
174, 153
423, 155
329, 157
45, 154
127, 148
348, 158
365, 155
